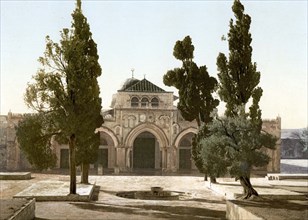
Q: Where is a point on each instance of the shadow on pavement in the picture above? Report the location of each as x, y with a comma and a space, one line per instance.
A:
156, 211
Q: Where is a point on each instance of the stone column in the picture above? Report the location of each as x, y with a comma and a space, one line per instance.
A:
128, 164
121, 158
164, 158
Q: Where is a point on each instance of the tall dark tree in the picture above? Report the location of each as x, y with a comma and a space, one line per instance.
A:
239, 135
238, 76
66, 92
195, 90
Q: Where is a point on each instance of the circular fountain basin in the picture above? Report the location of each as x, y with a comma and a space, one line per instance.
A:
156, 193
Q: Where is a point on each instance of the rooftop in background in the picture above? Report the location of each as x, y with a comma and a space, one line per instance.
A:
135, 85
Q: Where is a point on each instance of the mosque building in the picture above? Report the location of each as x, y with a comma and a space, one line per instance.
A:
142, 130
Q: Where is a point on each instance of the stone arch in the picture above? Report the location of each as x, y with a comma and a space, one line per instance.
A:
182, 134
108, 146
183, 153
110, 133
155, 130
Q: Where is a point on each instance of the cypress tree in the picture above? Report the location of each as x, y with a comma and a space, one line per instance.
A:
66, 92
195, 91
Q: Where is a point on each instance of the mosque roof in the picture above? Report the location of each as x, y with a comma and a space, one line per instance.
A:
128, 83
135, 85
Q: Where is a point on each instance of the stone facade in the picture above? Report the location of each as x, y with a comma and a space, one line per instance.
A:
273, 127
142, 130
11, 156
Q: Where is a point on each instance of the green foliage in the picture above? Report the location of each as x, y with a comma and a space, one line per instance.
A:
238, 76
233, 145
195, 90
66, 85
34, 135
194, 84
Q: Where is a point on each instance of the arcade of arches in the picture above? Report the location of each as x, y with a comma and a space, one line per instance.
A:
144, 130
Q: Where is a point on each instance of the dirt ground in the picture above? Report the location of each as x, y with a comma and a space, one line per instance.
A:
199, 202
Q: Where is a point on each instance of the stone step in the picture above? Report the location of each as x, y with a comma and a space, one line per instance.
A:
15, 175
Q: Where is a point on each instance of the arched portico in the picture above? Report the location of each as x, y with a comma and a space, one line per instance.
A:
182, 134
110, 133
160, 137
107, 153
154, 129
183, 144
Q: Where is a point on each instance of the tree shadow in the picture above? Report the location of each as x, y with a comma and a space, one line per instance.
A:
237, 185
156, 211
206, 200
273, 204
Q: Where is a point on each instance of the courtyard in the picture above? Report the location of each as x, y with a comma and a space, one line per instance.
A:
198, 202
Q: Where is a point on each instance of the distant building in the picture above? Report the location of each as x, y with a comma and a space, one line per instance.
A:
291, 148
142, 130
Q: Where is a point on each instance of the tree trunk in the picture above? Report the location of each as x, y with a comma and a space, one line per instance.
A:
85, 173
72, 142
213, 179
248, 189
205, 176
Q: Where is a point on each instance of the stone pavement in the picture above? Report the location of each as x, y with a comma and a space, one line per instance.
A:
271, 189
278, 200
287, 199
54, 190
198, 202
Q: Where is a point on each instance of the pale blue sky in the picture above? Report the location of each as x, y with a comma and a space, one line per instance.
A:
141, 35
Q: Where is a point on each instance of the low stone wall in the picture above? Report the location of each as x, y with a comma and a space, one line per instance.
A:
15, 175
235, 212
23, 209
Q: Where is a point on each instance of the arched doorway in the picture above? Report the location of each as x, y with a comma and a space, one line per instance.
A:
184, 152
106, 156
146, 154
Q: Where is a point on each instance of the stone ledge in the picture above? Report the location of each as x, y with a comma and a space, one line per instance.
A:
15, 175
236, 212
18, 209
234, 191
56, 191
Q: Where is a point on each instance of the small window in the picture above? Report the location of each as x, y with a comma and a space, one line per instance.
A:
134, 102
144, 102
154, 102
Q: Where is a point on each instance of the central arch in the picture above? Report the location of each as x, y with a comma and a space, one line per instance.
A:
146, 142
155, 130
145, 152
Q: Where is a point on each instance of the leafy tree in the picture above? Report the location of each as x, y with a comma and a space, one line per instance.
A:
195, 90
34, 135
66, 92
239, 134
194, 84
233, 145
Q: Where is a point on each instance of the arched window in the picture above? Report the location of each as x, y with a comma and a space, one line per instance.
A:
144, 102
134, 102
154, 102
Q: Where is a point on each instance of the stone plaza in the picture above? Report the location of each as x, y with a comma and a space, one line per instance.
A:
279, 199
